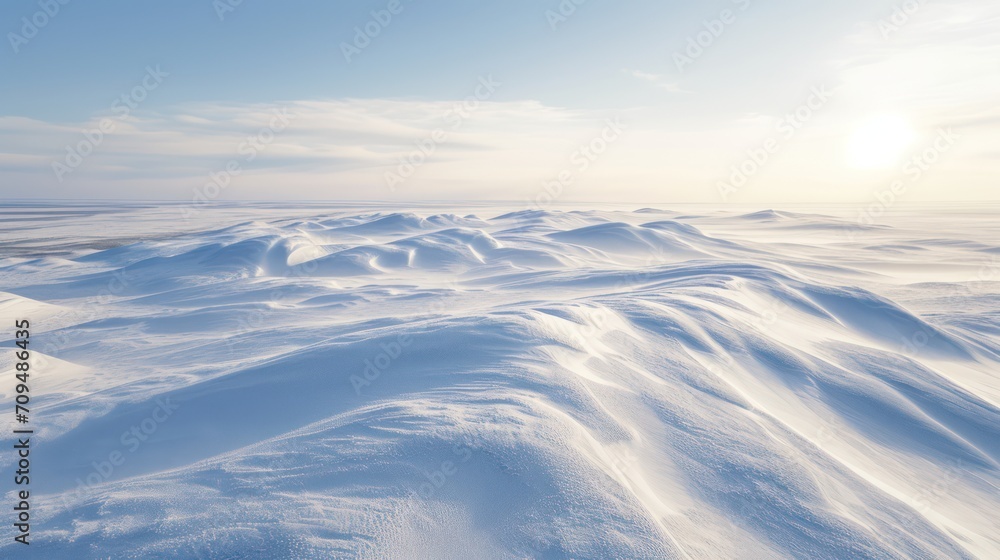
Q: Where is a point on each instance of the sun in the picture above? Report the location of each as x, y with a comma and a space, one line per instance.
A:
878, 142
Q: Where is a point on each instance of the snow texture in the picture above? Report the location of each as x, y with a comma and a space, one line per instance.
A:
330, 381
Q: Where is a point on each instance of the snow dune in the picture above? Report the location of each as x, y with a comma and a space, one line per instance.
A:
488, 382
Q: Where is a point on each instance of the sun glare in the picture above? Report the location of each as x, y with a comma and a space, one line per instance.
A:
879, 142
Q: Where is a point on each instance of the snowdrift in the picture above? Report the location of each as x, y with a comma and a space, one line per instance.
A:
342, 383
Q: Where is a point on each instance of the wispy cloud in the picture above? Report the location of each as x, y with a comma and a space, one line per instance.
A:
656, 80
345, 145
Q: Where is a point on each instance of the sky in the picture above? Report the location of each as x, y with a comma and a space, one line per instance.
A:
658, 102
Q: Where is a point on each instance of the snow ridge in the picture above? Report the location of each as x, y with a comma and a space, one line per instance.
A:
511, 384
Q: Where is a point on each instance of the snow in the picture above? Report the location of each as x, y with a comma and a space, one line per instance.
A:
484, 381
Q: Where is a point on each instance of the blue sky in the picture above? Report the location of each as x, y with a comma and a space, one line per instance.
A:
891, 86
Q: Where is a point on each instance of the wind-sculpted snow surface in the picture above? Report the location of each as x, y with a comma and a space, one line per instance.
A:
331, 382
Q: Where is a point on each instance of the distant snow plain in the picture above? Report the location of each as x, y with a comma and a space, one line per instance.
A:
348, 381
